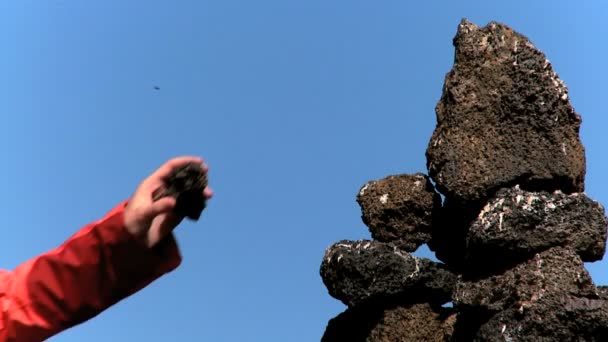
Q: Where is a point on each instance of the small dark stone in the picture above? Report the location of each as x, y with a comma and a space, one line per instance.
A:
186, 184
518, 223
504, 118
358, 271
400, 209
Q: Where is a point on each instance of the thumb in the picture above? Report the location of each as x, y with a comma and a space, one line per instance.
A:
162, 225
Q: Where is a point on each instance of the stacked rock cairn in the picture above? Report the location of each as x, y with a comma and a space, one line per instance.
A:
512, 230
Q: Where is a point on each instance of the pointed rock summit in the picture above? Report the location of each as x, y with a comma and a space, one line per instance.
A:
504, 118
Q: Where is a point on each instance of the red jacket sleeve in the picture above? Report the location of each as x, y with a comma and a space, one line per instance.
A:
94, 269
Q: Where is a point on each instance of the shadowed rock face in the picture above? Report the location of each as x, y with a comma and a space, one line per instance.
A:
416, 322
513, 230
449, 232
356, 271
400, 209
504, 118
517, 223
555, 271
551, 318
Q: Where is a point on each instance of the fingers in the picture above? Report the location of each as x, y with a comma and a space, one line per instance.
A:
155, 180
161, 206
153, 219
165, 170
208, 193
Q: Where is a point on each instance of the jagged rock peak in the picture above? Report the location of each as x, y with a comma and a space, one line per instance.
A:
504, 118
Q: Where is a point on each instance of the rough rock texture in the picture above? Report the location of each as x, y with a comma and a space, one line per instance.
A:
552, 318
602, 291
504, 118
400, 209
518, 223
356, 271
513, 230
417, 322
186, 184
557, 270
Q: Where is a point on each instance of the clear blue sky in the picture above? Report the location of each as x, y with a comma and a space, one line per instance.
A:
294, 104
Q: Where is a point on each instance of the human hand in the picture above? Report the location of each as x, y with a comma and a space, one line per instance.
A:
151, 221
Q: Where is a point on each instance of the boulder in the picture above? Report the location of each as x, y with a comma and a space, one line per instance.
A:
416, 322
504, 118
555, 271
359, 271
400, 209
554, 317
518, 223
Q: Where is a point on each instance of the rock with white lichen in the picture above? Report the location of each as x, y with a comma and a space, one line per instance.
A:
400, 209
358, 271
516, 224
504, 118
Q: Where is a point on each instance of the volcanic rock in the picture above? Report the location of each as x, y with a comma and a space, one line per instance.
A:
186, 184
553, 317
518, 223
504, 118
514, 225
555, 271
602, 291
357, 271
400, 209
416, 322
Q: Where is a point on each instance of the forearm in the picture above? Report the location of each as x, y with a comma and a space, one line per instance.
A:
97, 267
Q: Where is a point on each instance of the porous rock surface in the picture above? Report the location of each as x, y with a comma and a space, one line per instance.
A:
517, 223
400, 209
504, 118
514, 228
355, 271
557, 271
414, 322
551, 318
